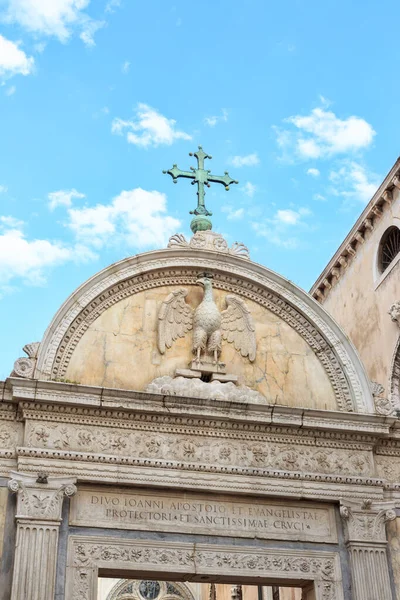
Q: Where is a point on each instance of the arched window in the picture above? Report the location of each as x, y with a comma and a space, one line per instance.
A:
389, 247
127, 589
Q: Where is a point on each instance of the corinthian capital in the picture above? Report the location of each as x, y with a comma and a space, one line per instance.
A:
366, 522
40, 497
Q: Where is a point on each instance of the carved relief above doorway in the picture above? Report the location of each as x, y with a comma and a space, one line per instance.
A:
89, 556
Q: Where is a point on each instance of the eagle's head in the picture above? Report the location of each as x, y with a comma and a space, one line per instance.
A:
205, 280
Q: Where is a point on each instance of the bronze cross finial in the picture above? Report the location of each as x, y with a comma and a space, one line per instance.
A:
202, 177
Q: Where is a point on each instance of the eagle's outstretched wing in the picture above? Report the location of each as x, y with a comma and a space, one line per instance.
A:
237, 327
174, 319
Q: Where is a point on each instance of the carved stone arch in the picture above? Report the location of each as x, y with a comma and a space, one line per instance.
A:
130, 589
231, 273
394, 383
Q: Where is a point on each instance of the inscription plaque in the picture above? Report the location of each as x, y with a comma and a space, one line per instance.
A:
197, 513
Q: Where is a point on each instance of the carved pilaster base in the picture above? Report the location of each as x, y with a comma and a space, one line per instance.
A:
35, 560
370, 573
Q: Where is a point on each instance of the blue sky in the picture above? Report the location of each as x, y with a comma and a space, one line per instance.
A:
297, 99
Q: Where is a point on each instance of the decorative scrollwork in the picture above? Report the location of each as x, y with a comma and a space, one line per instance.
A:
25, 367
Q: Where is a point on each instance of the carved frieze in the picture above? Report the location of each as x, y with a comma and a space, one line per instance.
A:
11, 430
388, 467
194, 447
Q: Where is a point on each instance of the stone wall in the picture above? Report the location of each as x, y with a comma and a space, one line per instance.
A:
361, 297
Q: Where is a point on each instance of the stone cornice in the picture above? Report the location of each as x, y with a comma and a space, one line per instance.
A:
88, 432
380, 201
68, 399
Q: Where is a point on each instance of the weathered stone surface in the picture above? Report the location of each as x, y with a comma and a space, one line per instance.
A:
215, 389
199, 513
361, 298
286, 370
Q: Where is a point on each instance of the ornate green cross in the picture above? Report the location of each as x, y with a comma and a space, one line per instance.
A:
202, 177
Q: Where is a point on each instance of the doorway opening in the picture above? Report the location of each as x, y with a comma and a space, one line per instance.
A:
112, 588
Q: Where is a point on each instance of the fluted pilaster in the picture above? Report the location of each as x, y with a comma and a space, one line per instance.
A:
365, 530
35, 561
39, 506
370, 572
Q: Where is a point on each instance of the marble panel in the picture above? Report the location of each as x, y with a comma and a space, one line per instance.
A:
203, 514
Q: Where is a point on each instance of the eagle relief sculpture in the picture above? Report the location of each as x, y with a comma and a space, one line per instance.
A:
210, 326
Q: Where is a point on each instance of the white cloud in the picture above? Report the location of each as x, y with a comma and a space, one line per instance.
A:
212, 121
3, 189
63, 198
112, 5
10, 91
29, 260
289, 216
90, 27
319, 197
126, 66
249, 160
150, 128
54, 18
137, 217
325, 102
232, 214
322, 134
8, 221
13, 60
40, 47
249, 189
276, 229
313, 172
353, 182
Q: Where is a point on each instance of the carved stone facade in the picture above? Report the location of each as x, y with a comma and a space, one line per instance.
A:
197, 473
105, 436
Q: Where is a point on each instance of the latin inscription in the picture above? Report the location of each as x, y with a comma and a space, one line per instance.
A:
223, 516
